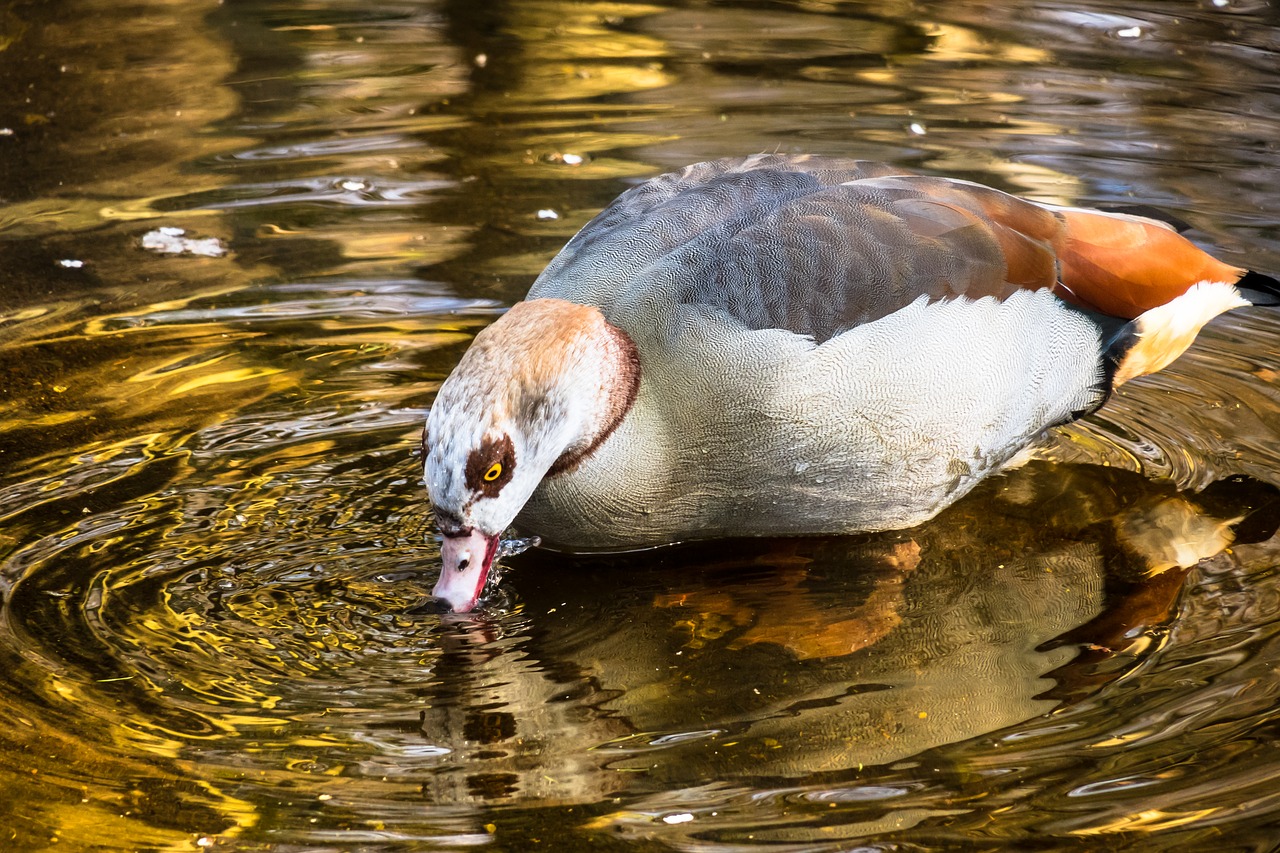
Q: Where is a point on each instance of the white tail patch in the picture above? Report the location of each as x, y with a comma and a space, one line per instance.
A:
1166, 331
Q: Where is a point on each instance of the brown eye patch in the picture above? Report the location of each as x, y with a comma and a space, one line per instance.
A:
490, 466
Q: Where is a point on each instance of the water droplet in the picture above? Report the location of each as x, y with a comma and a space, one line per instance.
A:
511, 547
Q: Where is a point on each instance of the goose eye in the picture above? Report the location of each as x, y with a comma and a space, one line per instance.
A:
490, 466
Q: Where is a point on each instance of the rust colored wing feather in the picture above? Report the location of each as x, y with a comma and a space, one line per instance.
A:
1026, 234
1029, 259
1030, 263
1115, 263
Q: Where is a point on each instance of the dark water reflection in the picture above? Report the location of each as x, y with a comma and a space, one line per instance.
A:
211, 521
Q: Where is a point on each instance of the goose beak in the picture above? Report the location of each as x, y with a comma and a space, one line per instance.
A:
467, 557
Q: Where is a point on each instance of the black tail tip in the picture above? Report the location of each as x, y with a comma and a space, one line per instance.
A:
1259, 289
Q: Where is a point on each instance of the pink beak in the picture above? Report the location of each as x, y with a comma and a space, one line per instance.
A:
467, 557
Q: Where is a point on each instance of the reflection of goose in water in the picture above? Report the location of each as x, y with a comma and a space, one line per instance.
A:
784, 658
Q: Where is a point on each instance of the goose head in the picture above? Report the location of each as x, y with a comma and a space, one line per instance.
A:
537, 392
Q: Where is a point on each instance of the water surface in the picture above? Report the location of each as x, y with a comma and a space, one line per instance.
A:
212, 526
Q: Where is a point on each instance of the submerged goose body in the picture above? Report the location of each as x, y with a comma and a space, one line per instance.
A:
796, 345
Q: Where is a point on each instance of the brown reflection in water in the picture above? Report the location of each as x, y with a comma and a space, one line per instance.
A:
778, 609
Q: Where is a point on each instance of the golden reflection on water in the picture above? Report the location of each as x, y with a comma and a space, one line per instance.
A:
212, 530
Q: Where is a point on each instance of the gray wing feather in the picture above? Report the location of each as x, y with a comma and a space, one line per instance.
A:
810, 245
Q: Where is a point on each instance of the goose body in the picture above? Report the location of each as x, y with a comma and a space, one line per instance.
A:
795, 345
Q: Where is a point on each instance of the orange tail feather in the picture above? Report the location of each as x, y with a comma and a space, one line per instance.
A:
1123, 265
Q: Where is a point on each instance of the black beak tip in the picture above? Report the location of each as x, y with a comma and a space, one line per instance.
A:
432, 606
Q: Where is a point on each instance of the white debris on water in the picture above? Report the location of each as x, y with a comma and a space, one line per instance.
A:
548, 213
173, 241
71, 264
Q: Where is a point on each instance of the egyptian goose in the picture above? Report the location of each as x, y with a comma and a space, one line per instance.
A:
782, 345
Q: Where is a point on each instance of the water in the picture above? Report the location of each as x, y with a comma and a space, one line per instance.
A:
214, 540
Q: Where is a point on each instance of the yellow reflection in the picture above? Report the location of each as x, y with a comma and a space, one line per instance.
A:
1150, 820
133, 210
369, 251
55, 418
1120, 740
570, 82
227, 377
585, 24
182, 363
106, 826
958, 44
40, 216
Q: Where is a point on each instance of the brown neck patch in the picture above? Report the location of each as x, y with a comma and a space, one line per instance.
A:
622, 395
